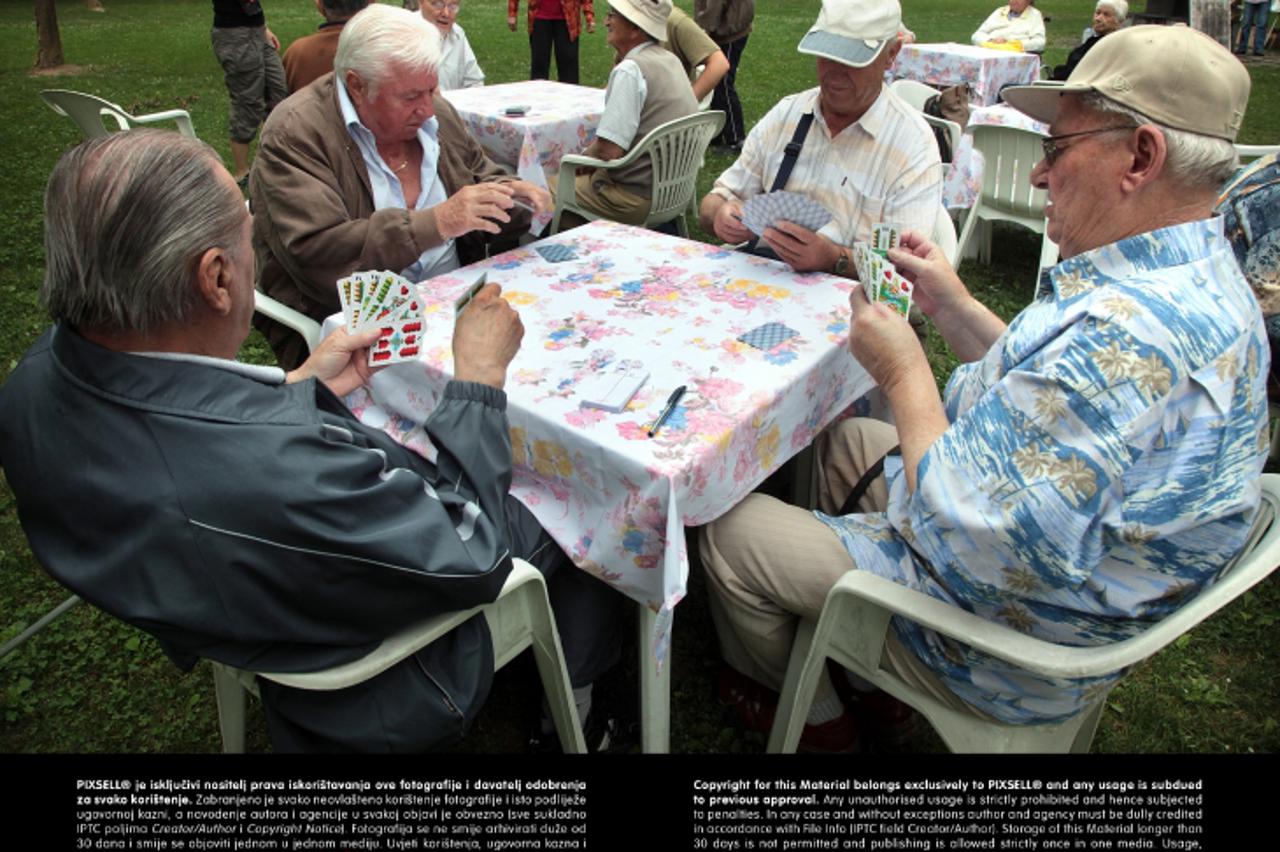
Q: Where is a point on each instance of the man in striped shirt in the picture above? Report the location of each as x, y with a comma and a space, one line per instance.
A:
868, 157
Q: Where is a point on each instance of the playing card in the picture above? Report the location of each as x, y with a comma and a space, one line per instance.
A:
466, 297
377, 292
556, 253
895, 292
764, 211
397, 341
885, 236
767, 336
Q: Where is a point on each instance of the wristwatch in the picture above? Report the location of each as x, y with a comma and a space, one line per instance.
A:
842, 263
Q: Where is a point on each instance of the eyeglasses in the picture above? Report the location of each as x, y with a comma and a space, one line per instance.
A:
435, 4
1052, 150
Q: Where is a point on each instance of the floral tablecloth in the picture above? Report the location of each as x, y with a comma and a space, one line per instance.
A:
561, 120
963, 179
616, 500
986, 71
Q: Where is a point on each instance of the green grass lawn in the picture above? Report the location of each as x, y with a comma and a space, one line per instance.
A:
92, 684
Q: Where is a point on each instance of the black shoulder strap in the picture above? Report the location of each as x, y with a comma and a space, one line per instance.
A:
789, 156
869, 476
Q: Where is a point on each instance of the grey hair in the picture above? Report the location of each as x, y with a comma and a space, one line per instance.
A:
345, 8
382, 37
1120, 7
1194, 160
127, 217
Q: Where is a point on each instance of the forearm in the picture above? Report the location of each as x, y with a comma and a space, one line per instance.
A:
969, 327
716, 67
919, 415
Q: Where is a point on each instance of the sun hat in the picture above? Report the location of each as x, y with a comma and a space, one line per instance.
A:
853, 32
1176, 76
649, 15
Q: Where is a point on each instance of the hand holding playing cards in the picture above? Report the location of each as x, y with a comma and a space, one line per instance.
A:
728, 223
924, 265
486, 336
531, 195
883, 341
341, 361
803, 250
475, 207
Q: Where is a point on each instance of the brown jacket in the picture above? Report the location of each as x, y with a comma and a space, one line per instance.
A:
313, 215
311, 57
726, 21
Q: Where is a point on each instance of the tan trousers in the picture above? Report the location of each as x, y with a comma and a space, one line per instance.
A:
599, 194
769, 563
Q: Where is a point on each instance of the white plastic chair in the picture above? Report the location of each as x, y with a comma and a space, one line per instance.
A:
90, 112
1009, 155
944, 236
281, 313
855, 621
520, 618
916, 95
675, 149
1253, 152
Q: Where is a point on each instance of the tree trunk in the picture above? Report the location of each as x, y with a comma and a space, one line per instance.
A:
48, 41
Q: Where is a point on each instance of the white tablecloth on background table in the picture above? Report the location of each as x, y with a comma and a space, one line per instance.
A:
986, 71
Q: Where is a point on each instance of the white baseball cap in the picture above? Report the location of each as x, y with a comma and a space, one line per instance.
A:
853, 32
649, 15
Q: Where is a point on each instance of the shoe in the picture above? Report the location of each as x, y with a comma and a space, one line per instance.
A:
1258, 53
889, 724
755, 706
600, 732
1239, 51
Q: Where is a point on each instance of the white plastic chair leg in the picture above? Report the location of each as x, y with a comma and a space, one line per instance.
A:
231, 708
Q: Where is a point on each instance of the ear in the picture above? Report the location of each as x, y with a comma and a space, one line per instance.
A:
214, 280
891, 50
356, 88
1149, 150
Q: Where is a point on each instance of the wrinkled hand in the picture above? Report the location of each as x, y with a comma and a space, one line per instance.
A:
532, 194
883, 342
272, 40
802, 249
728, 223
475, 207
937, 287
341, 361
511, 22
486, 337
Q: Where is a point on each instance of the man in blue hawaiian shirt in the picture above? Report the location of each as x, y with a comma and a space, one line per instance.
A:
1094, 464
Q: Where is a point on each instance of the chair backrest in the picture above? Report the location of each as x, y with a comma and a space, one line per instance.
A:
1010, 154
299, 322
913, 92
675, 150
944, 235
89, 112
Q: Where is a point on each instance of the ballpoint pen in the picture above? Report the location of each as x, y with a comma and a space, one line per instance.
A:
672, 401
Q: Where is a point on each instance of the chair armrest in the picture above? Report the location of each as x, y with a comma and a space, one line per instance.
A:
1048, 658
396, 647
181, 116
296, 320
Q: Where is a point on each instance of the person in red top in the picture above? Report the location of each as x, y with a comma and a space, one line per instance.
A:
553, 22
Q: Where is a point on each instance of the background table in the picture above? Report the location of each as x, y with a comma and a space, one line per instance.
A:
986, 71
963, 178
561, 120
616, 500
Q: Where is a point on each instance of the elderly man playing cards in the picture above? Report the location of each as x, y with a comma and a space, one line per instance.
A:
1092, 466
241, 513
368, 168
864, 155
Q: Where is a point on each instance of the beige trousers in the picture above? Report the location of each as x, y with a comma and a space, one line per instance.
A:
597, 193
769, 563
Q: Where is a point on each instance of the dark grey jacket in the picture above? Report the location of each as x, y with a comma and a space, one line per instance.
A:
262, 525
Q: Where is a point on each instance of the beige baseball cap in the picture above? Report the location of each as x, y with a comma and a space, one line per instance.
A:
1176, 76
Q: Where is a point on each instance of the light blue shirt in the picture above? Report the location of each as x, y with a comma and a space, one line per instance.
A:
1102, 465
389, 194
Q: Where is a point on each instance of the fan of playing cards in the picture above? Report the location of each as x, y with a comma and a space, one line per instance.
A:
764, 211
881, 281
388, 302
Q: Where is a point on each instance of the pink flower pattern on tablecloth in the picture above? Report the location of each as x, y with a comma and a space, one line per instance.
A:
610, 494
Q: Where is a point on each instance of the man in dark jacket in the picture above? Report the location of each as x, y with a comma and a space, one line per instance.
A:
241, 513
729, 23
